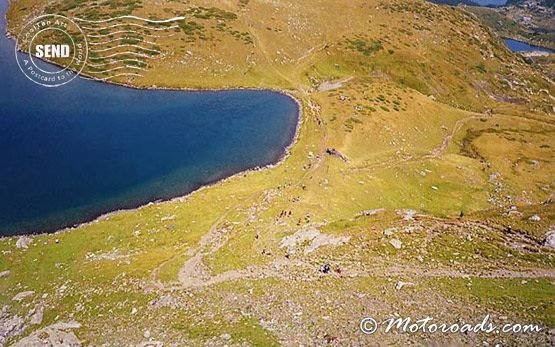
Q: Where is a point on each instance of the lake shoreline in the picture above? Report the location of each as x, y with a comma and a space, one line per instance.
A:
544, 50
284, 151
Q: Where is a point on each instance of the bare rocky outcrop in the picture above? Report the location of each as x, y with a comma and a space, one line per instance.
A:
313, 237
549, 240
55, 335
331, 85
10, 325
336, 153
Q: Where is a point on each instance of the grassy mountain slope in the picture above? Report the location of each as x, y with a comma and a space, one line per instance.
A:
411, 112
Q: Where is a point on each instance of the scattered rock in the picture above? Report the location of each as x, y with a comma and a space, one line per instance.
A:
114, 254
147, 334
513, 212
534, 218
493, 177
62, 289
56, 335
4, 273
371, 212
23, 242
151, 344
165, 301
23, 295
397, 244
168, 218
37, 315
226, 337
389, 231
134, 311
402, 284
408, 215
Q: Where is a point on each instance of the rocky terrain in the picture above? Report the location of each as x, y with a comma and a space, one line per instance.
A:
526, 20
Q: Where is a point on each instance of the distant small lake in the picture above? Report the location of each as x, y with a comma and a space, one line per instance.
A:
70, 154
519, 46
470, 2
490, 2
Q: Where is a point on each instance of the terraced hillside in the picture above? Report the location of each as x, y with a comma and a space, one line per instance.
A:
422, 175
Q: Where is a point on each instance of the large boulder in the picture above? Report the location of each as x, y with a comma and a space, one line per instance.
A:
23, 295
549, 240
23, 242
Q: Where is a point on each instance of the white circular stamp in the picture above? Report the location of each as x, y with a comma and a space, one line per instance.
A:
57, 40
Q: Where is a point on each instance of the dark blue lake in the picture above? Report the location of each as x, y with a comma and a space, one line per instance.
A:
71, 153
519, 46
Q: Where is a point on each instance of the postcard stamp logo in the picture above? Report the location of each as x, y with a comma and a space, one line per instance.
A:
56, 39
